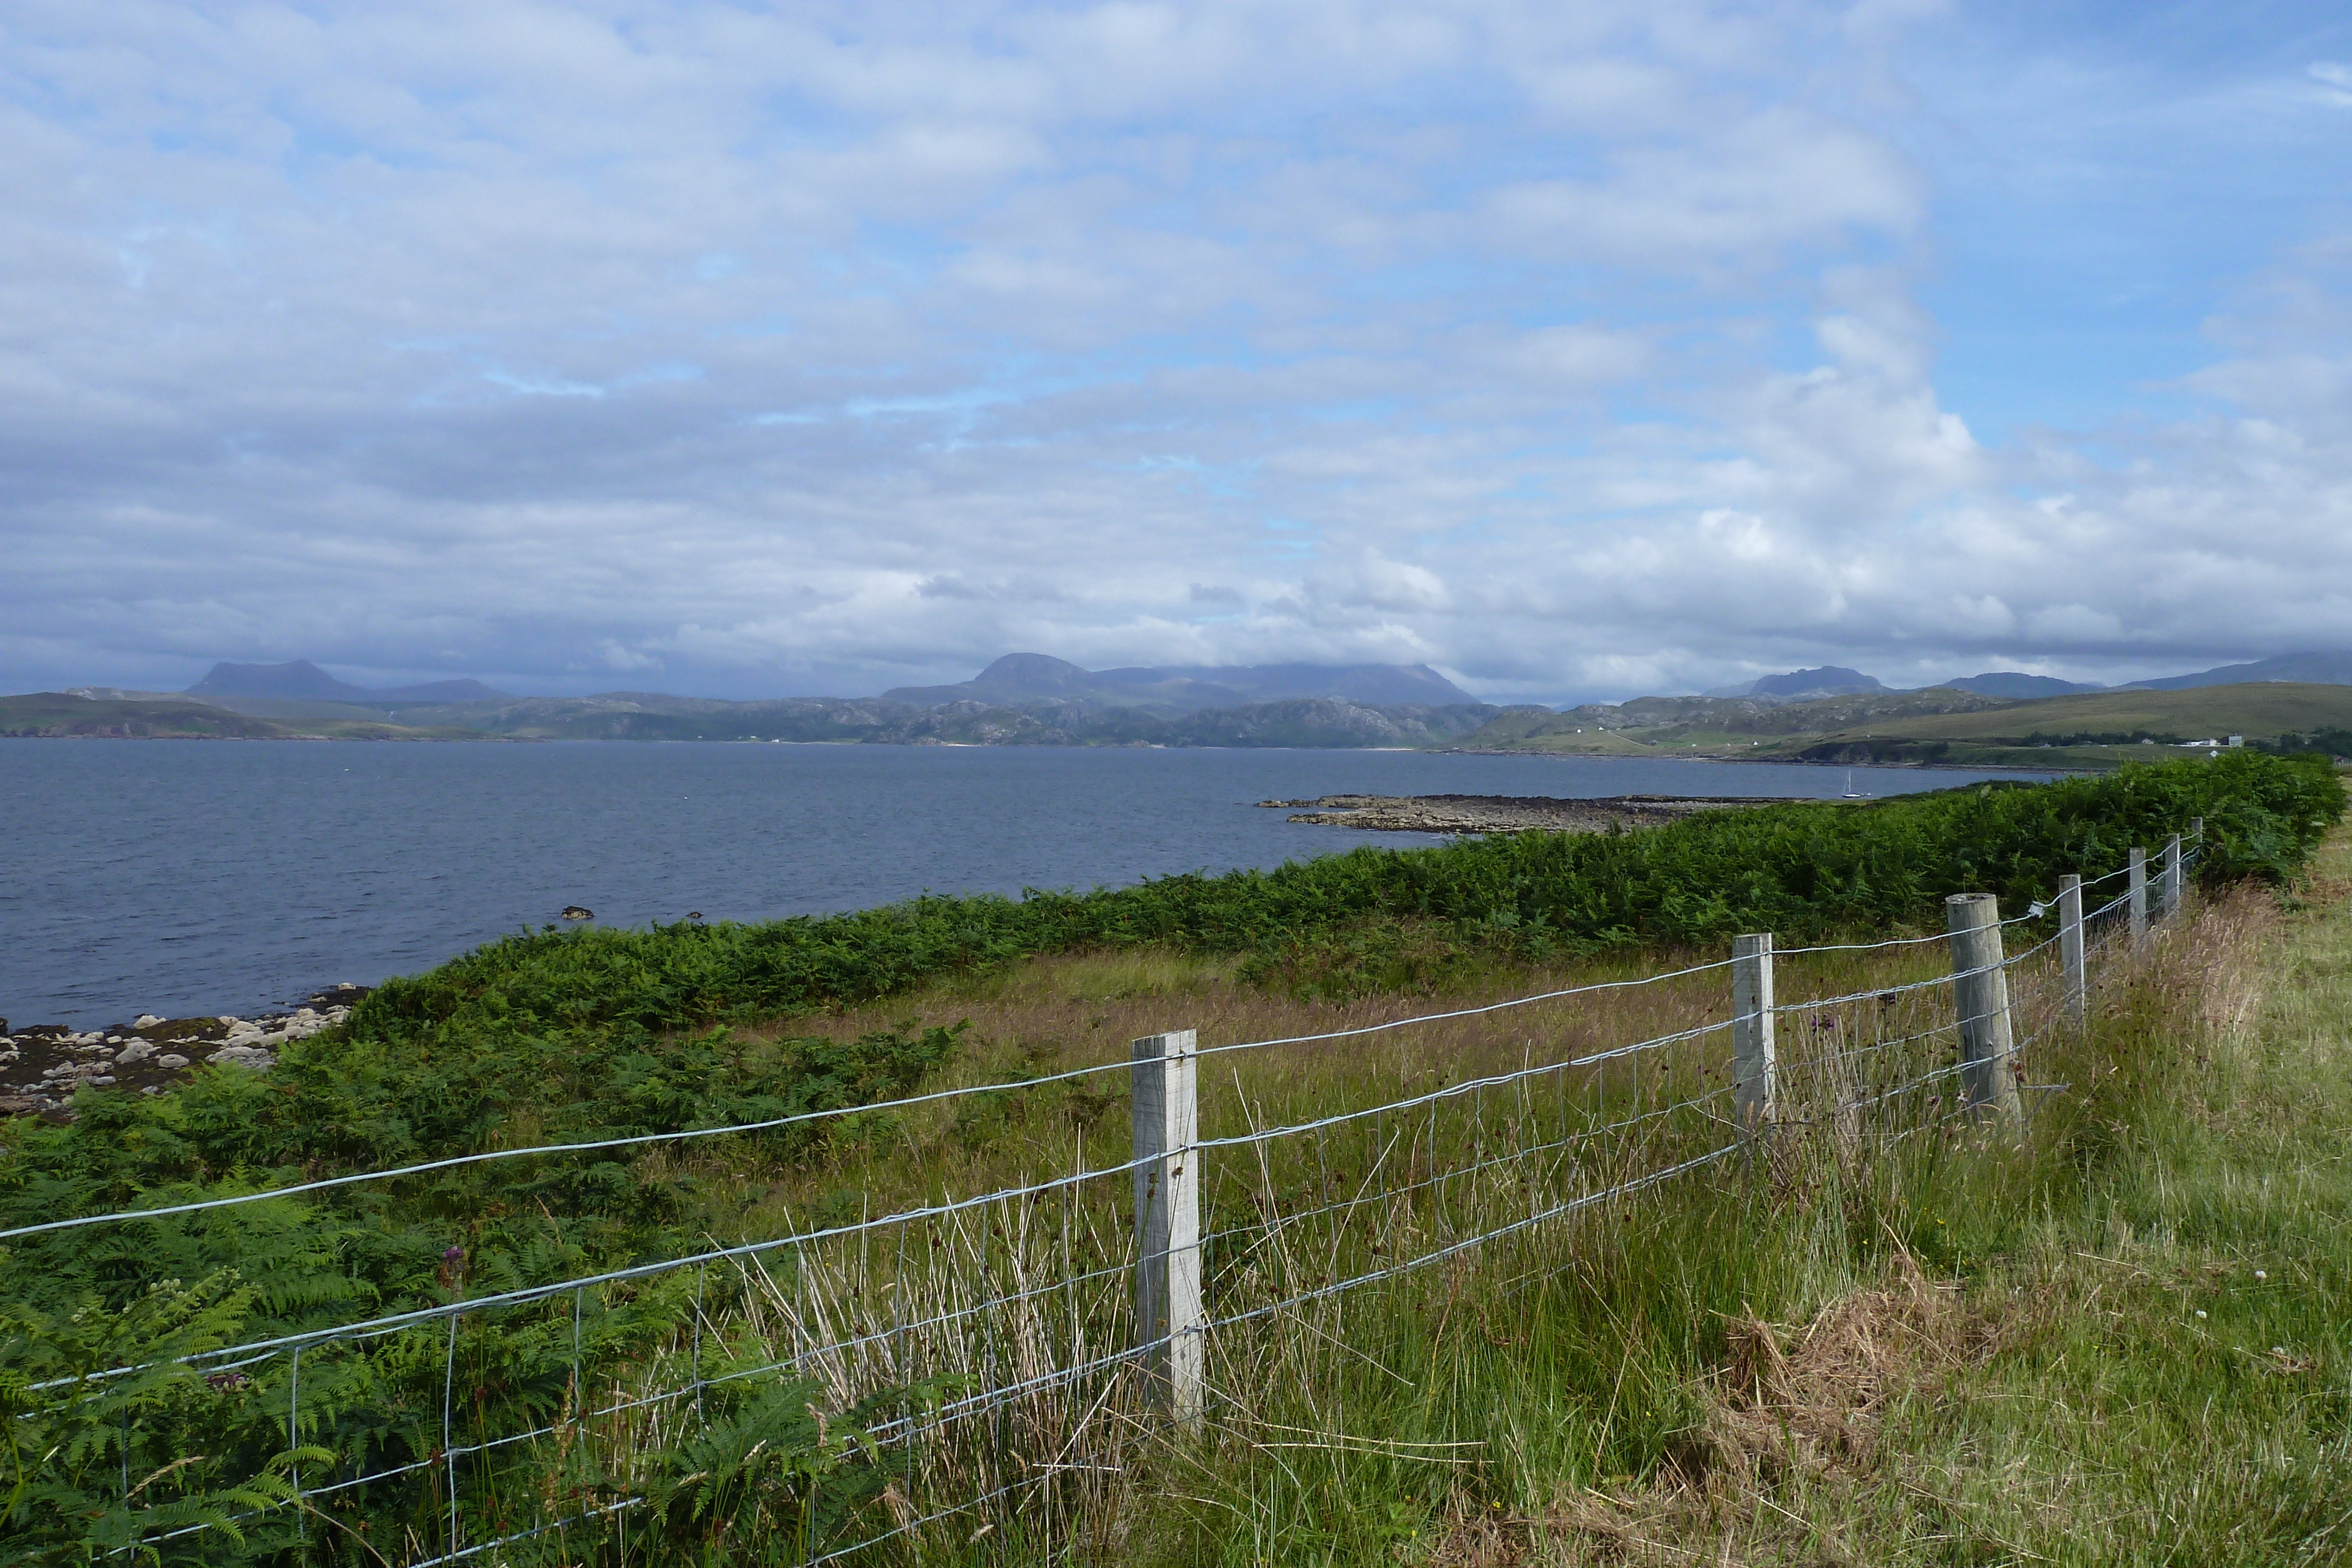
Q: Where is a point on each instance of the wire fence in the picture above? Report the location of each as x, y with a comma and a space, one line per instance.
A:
984, 1362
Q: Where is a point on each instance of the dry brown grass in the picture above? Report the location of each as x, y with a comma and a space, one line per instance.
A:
1793, 1462
1053, 1015
1791, 1442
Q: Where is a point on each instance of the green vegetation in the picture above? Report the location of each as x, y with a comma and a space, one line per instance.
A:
2327, 742
2128, 1342
2085, 729
558, 1036
58, 714
54, 714
1725, 726
1938, 727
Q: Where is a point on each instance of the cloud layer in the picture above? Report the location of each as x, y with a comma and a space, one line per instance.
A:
1577, 349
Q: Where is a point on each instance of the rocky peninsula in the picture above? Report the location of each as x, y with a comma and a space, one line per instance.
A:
1509, 813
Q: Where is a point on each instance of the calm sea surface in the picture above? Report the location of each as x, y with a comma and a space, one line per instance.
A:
183, 877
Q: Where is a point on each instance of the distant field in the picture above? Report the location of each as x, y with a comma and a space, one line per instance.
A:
1925, 727
2265, 708
2101, 723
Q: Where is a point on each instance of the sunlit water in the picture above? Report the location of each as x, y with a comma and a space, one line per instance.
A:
188, 877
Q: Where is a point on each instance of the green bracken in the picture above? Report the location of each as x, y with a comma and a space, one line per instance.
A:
563, 1036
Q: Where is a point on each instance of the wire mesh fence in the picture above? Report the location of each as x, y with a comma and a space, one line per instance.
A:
861, 1385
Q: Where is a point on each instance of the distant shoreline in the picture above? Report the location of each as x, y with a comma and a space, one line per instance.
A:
1908, 766
1533, 755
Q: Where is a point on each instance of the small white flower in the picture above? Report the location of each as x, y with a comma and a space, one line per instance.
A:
2200, 1315
2258, 1274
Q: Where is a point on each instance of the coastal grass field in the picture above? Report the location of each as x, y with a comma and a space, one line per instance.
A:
2130, 1342
1958, 1350
2096, 730
2127, 1340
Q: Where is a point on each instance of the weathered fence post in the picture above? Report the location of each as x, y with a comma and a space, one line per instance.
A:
2070, 959
1165, 1105
1753, 1062
2170, 884
1980, 990
2138, 882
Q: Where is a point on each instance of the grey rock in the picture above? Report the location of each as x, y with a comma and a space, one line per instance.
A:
171, 1059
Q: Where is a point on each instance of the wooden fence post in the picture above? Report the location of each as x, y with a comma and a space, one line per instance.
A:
2138, 882
2170, 884
1753, 1061
1980, 991
2070, 959
1165, 1107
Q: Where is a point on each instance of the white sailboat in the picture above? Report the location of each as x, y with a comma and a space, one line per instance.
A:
1851, 792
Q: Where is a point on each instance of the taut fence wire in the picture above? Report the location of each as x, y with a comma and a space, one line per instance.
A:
991, 1362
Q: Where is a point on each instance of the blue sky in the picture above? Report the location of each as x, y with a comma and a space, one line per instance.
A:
1580, 351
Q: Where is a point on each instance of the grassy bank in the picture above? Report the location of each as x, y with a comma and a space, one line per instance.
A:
2129, 1343
1475, 1408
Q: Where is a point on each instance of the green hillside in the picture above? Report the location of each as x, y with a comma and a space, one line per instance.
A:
56, 714
2094, 729
1710, 724
1939, 725
2264, 708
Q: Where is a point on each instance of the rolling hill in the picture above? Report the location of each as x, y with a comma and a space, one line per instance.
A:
1939, 725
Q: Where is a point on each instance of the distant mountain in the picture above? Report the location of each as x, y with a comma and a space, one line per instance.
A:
2017, 685
1022, 678
1381, 686
304, 681
1804, 685
2316, 669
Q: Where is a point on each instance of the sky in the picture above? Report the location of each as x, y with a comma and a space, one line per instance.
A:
1578, 349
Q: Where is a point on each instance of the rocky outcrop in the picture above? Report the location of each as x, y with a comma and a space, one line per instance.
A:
1505, 813
43, 1067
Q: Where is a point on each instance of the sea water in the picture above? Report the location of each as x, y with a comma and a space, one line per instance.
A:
194, 877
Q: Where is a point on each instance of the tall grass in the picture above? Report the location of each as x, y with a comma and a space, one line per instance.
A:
1577, 1348
770, 1406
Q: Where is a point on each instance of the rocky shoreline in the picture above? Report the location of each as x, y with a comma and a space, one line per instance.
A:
42, 1066
1509, 813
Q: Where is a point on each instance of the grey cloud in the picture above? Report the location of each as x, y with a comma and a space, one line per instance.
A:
396, 345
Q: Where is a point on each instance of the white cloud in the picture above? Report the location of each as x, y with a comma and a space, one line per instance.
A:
1574, 348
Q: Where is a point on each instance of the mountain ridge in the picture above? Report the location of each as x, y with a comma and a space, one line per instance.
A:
2311, 669
300, 680
1016, 679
